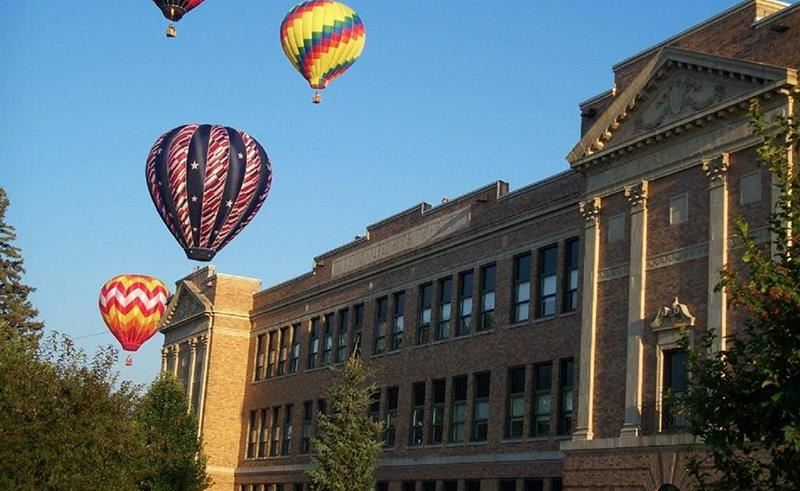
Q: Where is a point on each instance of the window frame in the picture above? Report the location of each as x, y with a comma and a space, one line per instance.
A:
444, 317
466, 302
543, 279
488, 291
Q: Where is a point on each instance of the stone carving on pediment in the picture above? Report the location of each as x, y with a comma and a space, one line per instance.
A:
187, 306
674, 316
683, 94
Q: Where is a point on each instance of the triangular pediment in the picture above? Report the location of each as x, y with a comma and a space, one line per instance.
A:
187, 303
674, 88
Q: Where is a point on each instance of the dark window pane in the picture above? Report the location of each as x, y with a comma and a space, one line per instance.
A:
482, 383
460, 388
438, 391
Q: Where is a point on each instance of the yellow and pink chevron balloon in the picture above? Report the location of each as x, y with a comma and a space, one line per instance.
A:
131, 306
322, 39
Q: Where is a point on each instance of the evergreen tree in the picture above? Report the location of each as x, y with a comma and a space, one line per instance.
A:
744, 402
15, 307
348, 446
174, 459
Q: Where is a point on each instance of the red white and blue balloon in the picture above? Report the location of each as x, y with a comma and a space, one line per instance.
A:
207, 183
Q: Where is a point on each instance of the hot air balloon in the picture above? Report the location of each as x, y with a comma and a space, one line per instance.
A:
207, 183
131, 306
322, 38
174, 10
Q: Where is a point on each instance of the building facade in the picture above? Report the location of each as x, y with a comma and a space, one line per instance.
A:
522, 340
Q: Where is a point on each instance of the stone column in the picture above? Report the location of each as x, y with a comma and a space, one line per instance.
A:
176, 354
590, 210
717, 170
637, 197
192, 360
164, 354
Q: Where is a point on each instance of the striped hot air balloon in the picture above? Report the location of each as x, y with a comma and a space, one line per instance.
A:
131, 306
174, 10
322, 39
207, 183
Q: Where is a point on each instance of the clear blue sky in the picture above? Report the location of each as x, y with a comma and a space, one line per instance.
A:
447, 96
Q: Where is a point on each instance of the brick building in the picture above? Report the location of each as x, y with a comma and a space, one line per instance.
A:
523, 340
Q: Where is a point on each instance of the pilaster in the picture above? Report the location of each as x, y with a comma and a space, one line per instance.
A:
591, 214
164, 354
176, 356
717, 171
637, 197
192, 360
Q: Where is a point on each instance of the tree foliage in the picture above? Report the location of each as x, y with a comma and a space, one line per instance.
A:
744, 401
65, 422
348, 446
173, 458
15, 307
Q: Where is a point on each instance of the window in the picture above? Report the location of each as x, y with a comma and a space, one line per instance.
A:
522, 288
341, 336
263, 435
465, 304
450, 486
294, 361
399, 320
565, 380
458, 409
327, 340
556, 484
313, 342
284, 351
261, 342
252, 433
417, 414
424, 326
437, 412
287, 430
409, 485
275, 439
390, 418
381, 306
571, 276
358, 328
678, 209
298, 487
487, 297
322, 408
480, 408
534, 485
375, 406
542, 384
750, 188
616, 228
382, 486
675, 383
308, 417
508, 485
472, 486
445, 309
515, 407
548, 258
428, 485
272, 357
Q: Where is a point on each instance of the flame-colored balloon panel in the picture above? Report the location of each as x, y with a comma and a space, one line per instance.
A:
322, 39
132, 306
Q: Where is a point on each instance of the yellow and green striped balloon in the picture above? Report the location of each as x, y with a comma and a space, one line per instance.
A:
322, 38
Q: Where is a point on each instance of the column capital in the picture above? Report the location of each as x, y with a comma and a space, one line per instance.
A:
164, 352
590, 210
716, 168
636, 195
193, 343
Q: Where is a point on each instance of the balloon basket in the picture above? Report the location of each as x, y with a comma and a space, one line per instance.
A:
316, 98
171, 31
128, 361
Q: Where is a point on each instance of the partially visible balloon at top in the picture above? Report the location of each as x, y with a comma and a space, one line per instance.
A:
322, 39
174, 10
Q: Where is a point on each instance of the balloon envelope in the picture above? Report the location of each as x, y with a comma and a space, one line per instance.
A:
322, 39
175, 9
131, 306
207, 183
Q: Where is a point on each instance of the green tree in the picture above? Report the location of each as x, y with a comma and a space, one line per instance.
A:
744, 401
65, 421
174, 458
348, 446
15, 307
